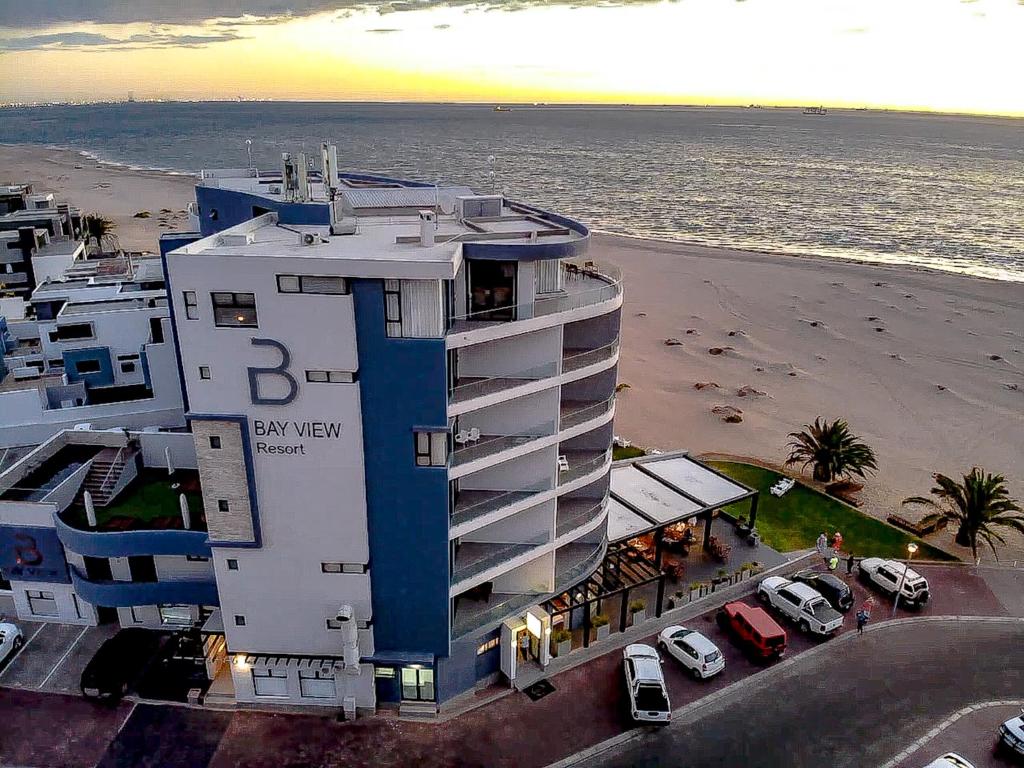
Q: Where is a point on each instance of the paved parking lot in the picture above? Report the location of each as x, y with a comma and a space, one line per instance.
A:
973, 736
53, 656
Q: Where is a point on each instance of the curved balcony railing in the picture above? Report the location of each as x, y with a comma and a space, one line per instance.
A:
577, 564
472, 615
574, 412
474, 504
479, 386
486, 445
581, 464
130, 543
582, 286
575, 359
107, 593
573, 514
473, 558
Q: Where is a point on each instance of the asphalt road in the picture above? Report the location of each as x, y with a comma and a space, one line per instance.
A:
850, 709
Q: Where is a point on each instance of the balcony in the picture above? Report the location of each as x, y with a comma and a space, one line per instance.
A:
574, 359
574, 562
472, 505
472, 387
473, 558
574, 513
486, 446
471, 615
107, 593
576, 412
580, 464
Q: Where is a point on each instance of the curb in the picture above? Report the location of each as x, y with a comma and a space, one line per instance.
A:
921, 742
763, 678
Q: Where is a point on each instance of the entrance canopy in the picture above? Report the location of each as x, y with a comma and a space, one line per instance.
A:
654, 491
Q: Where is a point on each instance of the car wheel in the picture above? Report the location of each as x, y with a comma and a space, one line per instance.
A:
862, 575
696, 674
18, 642
804, 626
762, 596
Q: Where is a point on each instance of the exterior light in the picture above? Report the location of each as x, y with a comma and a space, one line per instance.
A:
533, 625
240, 662
240, 318
912, 548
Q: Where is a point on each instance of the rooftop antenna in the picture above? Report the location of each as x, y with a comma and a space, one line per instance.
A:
248, 150
437, 204
491, 159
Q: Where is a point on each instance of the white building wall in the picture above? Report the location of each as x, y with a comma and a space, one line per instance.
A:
536, 354
68, 607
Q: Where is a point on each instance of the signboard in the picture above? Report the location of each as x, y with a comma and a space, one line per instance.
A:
31, 553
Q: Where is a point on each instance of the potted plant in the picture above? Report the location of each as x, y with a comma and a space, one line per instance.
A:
720, 576
695, 590
562, 640
600, 624
741, 525
637, 608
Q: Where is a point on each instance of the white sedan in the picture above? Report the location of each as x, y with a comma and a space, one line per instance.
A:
693, 651
11, 640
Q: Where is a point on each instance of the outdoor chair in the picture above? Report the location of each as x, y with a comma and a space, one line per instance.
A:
563, 463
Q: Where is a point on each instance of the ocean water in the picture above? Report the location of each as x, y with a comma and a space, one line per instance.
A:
938, 191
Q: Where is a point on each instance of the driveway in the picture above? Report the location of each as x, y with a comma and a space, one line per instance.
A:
53, 656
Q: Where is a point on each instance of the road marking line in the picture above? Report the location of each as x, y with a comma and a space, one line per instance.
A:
921, 742
62, 658
24, 645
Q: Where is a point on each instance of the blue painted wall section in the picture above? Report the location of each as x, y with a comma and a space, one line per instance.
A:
122, 594
231, 208
170, 241
403, 384
100, 355
32, 553
130, 543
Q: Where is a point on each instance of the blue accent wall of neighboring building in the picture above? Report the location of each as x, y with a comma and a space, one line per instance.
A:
170, 241
32, 553
122, 594
223, 208
129, 543
402, 385
73, 358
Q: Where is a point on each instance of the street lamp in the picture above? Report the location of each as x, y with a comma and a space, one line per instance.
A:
911, 548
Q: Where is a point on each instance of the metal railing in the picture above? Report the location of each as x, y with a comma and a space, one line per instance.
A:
583, 414
576, 471
607, 284
468, 512
501, 553
487, 385
107, 477
489, 445
574, 573
567, 524
466, 621
577, 360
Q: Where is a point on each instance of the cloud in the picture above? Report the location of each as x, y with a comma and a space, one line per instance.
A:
84, 40
383, 30
442, 26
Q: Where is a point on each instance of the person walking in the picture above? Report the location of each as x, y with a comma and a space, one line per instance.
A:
822, 545
837, 542
862, 619
849, 565
833, 562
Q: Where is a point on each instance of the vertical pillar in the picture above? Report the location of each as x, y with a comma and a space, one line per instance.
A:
707, 527
753, 509
625, 607
661, 596
586, 621
659, 541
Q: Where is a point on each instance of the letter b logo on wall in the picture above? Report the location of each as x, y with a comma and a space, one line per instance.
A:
278, 372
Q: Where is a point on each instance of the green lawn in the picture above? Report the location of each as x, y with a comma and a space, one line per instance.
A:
148, 497
796, 520
619, 453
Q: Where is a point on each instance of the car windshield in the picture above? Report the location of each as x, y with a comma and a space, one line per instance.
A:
713, 656
651, 698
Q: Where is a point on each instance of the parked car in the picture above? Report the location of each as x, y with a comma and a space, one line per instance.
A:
831, 587
11, 640
119, 662
1011, 736
800, 603
693, 651
887, 575
645, 685
950, 760
755, 630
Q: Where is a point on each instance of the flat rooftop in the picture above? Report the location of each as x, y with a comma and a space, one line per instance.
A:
126, 304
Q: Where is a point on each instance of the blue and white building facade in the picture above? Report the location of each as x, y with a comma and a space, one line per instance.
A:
401, 398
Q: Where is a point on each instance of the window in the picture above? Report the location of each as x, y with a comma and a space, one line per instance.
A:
127, 367
136, 619
393, 307
125, 358
215, 442
214, 215
191, 305
431, 449
385, 673
316, 684
234, 310
335, 286
239, 620
196, 559
342, 568
156, 330
417, 684
72, 332
330, 377
490, 645
41, 603
87, 366
269, 682
204, 372
232, 564
176, 615
223, 506
78, 606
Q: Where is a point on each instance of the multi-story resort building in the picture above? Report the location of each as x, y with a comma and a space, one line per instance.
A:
401, 400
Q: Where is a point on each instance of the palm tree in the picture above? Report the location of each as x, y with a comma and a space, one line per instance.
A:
977, 505
832, 449
96, 228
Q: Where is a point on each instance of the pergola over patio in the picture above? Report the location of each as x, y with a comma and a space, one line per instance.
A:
651, 493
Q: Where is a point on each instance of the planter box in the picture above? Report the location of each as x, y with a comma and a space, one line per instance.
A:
603, 632
562, 649
639, 617
694, 594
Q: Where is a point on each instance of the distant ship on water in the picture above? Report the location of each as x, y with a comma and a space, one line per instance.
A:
815, 111
500, 108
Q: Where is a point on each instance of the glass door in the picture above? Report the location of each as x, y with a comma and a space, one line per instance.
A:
417, 684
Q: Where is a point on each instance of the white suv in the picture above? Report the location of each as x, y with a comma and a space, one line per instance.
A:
693, 650
801, 603
645, 685
887, 575
1011, 735
950, 760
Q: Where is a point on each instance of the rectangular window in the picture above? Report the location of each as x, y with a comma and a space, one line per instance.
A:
125, 358
239, 620
127, 367
431, 449
191, 305
387, 673
490, 645
196, 559
325, 284
176, 615
316, 684
78, 606
330, 377
215, 442
72, 332
204, 372
417, 684
269, 682
223, 506
87, 366
393, 307
232, 564
342, 567
234, 310
136, 619
42, 603
330, 567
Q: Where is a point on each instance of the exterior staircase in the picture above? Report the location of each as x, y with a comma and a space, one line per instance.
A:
418, 710
104, 473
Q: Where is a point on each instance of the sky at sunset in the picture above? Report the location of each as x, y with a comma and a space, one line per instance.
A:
946, 55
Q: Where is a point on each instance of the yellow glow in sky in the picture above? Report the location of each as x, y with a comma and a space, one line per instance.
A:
945, 55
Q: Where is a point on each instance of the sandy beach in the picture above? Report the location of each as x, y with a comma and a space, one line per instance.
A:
927, 367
